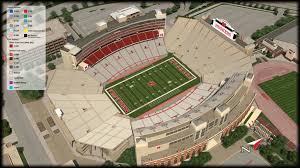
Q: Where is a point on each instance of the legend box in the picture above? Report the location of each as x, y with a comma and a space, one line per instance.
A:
26, 39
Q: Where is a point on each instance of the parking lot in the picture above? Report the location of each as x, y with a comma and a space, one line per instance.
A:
290, 36
85, 20
245, 21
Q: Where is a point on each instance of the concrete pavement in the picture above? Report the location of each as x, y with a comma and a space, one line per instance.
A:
231, 156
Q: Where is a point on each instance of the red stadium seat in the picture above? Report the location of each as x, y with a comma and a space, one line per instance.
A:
134, 38
156, 34
112, 47
120, 44
99, 54
149, 35
93, 59
127, 41
106, 50
87, 62
142, 36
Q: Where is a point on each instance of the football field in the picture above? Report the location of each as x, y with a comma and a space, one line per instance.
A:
139, 92
283, 91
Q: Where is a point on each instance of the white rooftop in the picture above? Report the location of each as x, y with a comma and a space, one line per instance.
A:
125, 12
72, 48
101, 23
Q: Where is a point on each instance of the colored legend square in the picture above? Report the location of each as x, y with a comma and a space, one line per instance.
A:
25, 30
11, 11
11, 66
25, 16
11, 82
11, 88
11, 45
11, 58
25, 10
11, 54
25, 35
10, 34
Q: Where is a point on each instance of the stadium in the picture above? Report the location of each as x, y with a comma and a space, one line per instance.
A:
170, 95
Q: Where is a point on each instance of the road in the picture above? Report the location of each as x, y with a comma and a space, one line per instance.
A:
35, 150
279, 31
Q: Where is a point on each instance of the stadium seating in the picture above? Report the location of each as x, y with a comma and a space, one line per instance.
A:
117, 45
109, 67
116, 34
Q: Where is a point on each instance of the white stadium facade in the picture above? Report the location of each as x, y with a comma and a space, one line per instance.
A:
186, 125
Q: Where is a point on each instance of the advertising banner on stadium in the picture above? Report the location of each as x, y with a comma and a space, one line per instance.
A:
223, 28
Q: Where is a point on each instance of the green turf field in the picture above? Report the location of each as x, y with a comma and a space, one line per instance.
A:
147, 88
283, 91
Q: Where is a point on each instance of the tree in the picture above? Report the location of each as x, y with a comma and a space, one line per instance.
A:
275, 11
49, 58
286, 12
53, 56
66, 15
283, 152
74, 7
84, 4
6, 130
108, 163
292, 156
51, 66
53, 14
278, 141
269, 55
169, 11
143, 5
64, 10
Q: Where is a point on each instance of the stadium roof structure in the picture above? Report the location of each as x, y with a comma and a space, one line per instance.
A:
125, 12
89, 115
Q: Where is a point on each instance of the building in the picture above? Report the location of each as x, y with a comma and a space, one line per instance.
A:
290, 50
268, 45
125, 14
11, 155
113, 32
56, 36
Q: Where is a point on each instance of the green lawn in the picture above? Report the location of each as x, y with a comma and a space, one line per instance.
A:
283, 91
145, 89
128, 156
20, 151
234, 136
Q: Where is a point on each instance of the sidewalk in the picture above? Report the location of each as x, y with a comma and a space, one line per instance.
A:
220, 154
